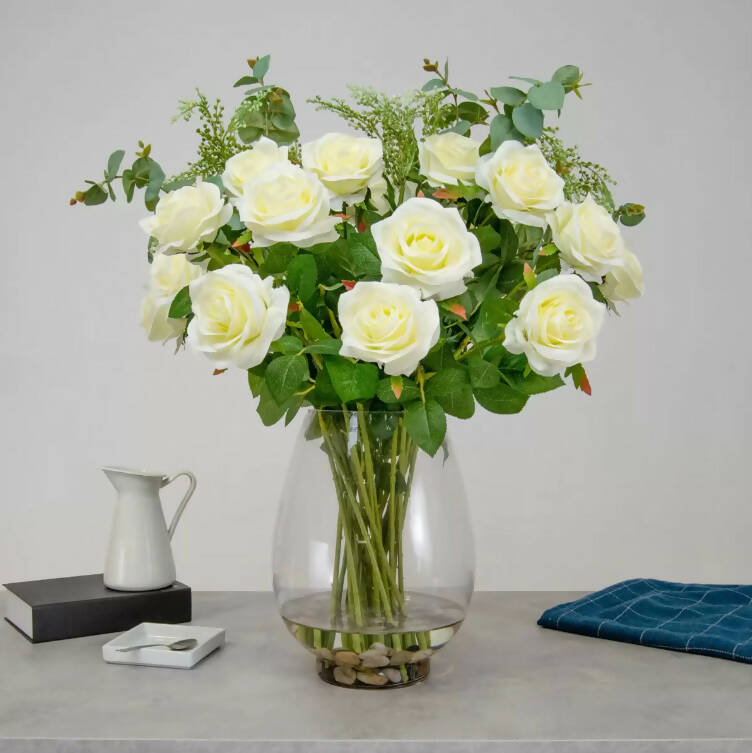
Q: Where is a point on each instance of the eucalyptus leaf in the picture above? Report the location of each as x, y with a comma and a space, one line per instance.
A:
261, 68
567, 75
113, 163
509, 95
548, 96
528, 120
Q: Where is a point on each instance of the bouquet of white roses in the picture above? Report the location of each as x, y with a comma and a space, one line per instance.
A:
451, 250
412, 266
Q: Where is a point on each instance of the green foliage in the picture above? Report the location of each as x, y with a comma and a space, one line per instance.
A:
580, 176
426, 425
469, 364
390, 119
217, 140
351, 380
181, 305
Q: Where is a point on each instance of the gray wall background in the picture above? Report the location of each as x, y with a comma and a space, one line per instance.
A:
648, 477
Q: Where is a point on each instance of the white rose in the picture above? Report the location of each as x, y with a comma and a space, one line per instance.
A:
168, 275
521, 185
187, 216
556, 325
588, 238
426, 245
624, 283
155, 320
387, 324
347, 165
251, 163
237, 315
447, 158
285, 203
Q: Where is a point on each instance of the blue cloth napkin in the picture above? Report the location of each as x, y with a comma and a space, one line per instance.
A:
691, 617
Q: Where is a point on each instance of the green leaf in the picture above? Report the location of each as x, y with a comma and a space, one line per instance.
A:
548, 96
220, 256
426, 425
472, 112
181, 304
324, 393
466, 94
287, 344
325, 347
509, 95
567, 75
352, 381
113, 163
452, 391
630, 220
440, 357
461, 126
502, 129
501, 399
352, 258
493, 315
245, 81
277, 258
268, 408
129, 184
285, 375
385, 391
262, 67
534, 384
95, 195
487, 237
302, 276
524, 78
483, 375
434, 83
156, 178
256, 380
312, 327
528, 120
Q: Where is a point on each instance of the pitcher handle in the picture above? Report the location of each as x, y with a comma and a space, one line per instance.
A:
183, 502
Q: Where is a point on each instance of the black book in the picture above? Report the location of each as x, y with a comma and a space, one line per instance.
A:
48, 610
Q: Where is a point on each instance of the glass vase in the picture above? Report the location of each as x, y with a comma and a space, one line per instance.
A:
373, 549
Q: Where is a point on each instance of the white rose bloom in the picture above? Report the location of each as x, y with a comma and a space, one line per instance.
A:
168, 275
588, 238
347, 165
426, 245
387, 324
624, 283
187, 216
447, 158
155, 320
521, 185
285, 203
251, 163
237, 315
556, 325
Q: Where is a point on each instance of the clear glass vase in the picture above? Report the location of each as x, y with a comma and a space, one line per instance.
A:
373, 549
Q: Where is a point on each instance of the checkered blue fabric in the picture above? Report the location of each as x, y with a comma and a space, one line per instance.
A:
691, 617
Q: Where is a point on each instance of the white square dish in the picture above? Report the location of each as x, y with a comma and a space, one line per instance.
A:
209, 639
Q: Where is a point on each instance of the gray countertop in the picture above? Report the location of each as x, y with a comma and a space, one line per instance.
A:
502, 684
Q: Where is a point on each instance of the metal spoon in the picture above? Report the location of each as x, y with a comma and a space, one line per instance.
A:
186, 644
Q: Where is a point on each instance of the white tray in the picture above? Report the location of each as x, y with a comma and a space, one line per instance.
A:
209, 639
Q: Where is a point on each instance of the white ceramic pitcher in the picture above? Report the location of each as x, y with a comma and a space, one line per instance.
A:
139, 557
